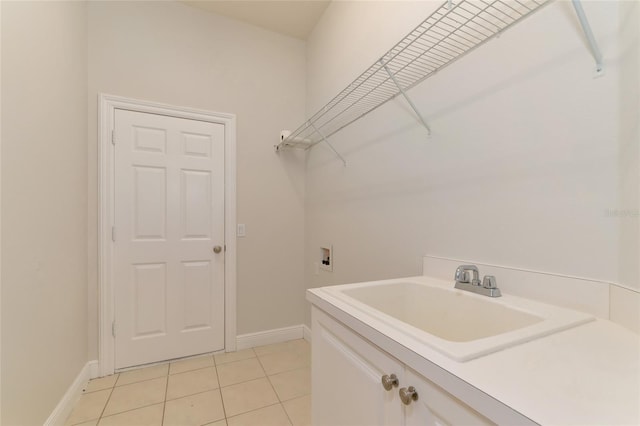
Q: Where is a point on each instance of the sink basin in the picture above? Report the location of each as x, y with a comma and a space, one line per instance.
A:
450, 315
459, 324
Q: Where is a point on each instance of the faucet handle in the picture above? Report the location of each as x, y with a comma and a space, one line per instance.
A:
489, 281
462, 276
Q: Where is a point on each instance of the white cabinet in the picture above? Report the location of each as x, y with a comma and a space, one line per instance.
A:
436, 407
347, 373
346, 378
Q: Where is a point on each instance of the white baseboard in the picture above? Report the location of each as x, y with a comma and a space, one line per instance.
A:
60, 414
268, 337
94, 369
306, 332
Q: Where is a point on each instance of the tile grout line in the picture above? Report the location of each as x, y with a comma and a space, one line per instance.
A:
257, 409
219, 388
139, 381
280, 352
192, 394
264, 373
132, 409
193, 369
276, 392
85, 391
127, 411
116, 385
106, 403
147, 380
166, 392
187, 396
224, 410
282, 402
295, 397
165, 362
270, 384
238, 360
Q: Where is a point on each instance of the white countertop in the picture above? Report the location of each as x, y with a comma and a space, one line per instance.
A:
586, 375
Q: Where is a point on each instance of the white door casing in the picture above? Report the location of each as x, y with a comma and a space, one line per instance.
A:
169, 215
153, 260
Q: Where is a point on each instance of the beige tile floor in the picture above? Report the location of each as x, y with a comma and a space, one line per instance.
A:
265, 386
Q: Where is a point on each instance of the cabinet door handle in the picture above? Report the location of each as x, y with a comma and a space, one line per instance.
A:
389, 382
408, 394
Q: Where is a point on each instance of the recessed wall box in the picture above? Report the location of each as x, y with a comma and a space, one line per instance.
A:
326, 258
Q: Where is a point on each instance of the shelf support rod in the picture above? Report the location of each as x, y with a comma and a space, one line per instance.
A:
593, 44
327, 142
406, 97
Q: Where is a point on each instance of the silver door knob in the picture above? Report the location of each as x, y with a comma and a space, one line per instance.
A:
408, 394
217, 249
389, 382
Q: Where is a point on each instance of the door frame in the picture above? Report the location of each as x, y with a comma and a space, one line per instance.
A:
107, 104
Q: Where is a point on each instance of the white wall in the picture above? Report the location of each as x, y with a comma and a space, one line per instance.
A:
629, 213
169, 52
521, 170
44, 214
0, 219
352, 35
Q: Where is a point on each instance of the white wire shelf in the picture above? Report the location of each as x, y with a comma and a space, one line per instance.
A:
453, 30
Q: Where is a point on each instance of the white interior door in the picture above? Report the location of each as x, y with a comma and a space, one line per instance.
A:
169, 218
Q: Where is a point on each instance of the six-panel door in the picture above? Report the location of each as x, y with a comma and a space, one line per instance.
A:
169, 215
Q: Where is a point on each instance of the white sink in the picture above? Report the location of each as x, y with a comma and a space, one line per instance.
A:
450, 315
459, 324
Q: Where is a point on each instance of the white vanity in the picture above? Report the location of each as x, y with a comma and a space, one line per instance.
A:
417, 351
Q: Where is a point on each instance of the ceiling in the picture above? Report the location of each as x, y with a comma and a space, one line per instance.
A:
295, 18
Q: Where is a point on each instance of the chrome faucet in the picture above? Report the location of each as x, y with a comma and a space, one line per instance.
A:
488, 286
462, 275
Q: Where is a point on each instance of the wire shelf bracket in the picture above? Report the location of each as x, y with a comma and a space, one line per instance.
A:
453, 30
406, 97
593, 44
325, 140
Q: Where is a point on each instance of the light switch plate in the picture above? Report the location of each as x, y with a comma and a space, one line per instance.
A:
242, 230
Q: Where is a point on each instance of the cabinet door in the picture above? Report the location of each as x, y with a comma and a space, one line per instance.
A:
436, 407
346, 378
